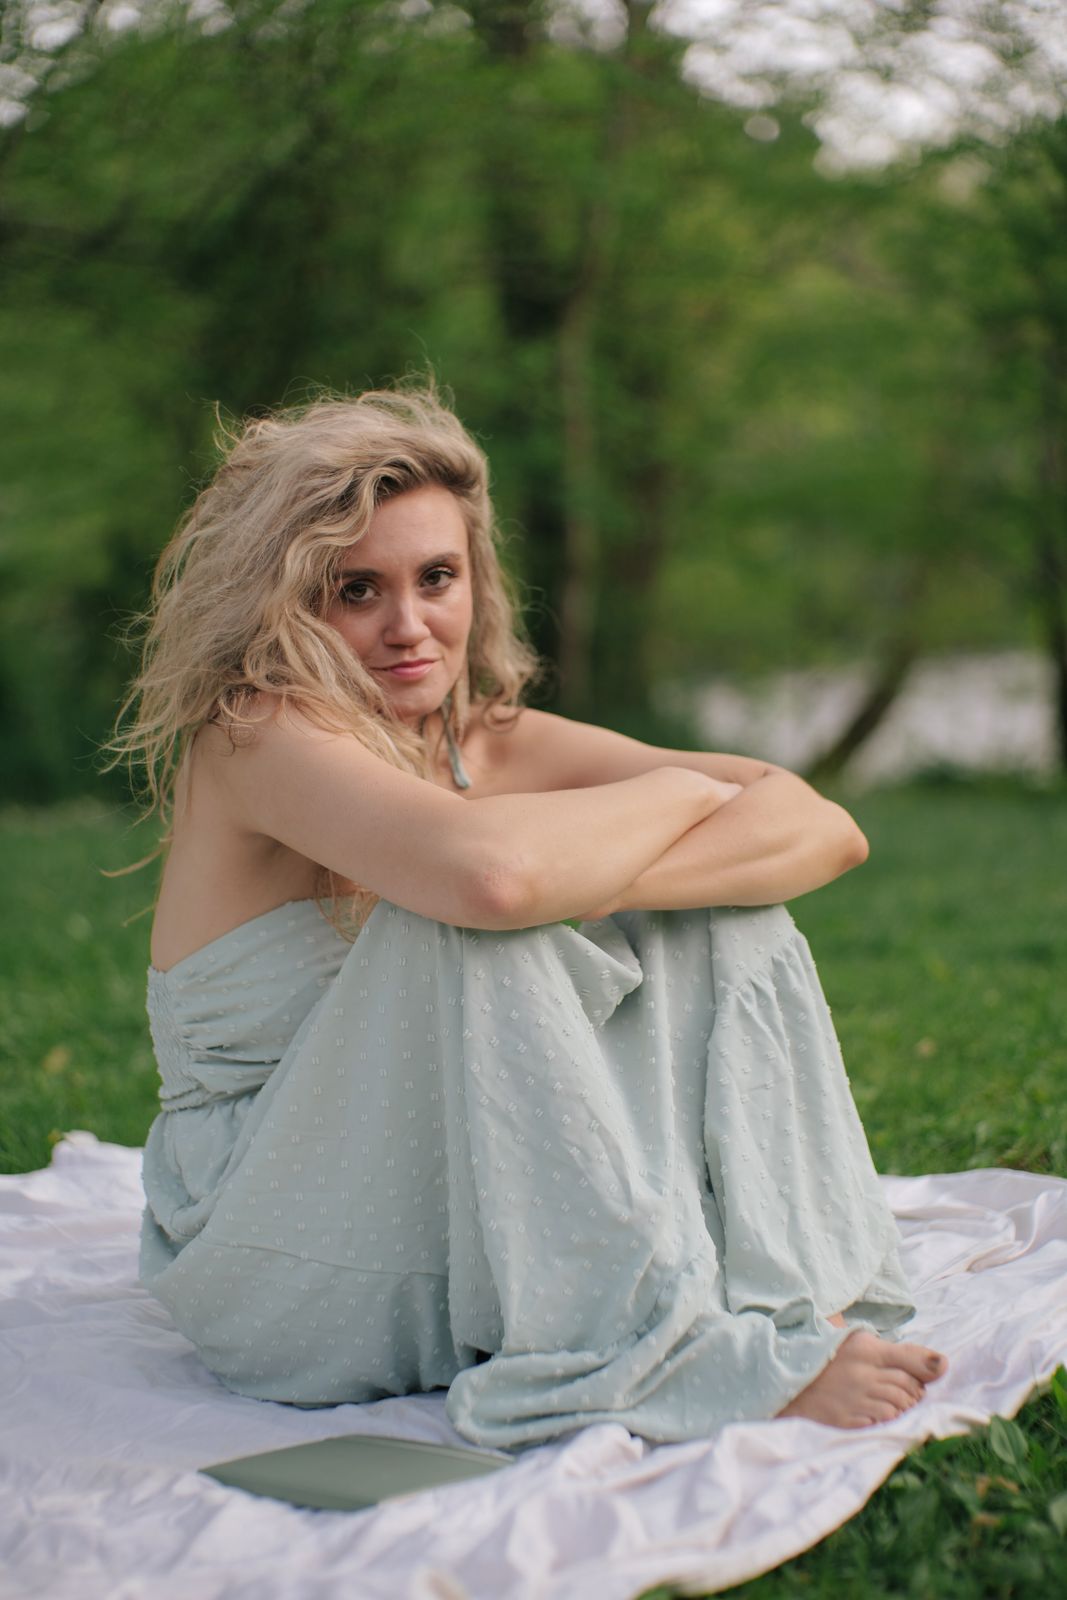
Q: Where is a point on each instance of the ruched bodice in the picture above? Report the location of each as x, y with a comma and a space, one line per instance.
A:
222, 1018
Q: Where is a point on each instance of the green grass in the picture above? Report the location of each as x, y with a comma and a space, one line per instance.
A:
74, 1045
973, 1518
944, 961
983, 1517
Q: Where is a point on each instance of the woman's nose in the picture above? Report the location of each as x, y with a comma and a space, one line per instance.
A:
406, 624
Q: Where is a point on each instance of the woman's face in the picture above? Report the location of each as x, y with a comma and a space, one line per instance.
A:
404, 603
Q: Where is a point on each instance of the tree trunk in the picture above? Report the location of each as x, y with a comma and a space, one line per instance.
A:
535, 306
577, 612
581, 535
627, 653
530, 302
1050, 544
889, 679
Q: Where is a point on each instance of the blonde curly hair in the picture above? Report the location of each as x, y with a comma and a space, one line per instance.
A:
240, 593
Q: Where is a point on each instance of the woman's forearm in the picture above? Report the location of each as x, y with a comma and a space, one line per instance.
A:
568, 849
775, 840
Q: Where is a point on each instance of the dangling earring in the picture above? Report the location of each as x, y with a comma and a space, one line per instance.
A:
451, 713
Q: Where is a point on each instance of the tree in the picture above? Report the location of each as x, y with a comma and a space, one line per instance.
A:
727, 402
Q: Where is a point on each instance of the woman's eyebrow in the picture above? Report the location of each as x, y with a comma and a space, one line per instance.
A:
434, 561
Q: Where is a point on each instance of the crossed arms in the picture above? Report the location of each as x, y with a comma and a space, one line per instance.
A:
599, 822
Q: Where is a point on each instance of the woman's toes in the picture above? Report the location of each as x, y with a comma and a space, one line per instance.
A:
915, 1359
903, 1394
883, 1411
868, 1381
906, 1386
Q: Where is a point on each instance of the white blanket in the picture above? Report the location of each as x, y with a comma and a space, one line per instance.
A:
106, 1413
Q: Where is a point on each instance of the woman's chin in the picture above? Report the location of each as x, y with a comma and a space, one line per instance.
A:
415, 703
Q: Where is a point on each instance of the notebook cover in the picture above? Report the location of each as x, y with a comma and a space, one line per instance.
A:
352, 1471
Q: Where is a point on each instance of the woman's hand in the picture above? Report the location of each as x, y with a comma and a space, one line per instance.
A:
779, 839
723, 793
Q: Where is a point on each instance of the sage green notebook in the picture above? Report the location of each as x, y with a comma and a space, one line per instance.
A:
353, 1471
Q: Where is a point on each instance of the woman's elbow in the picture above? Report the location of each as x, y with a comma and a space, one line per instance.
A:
499, 895
853, 841
857, 851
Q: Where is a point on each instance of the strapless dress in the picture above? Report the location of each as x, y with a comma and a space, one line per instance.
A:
571, 1175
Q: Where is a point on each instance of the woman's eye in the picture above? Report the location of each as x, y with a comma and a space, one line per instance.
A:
439, 577
355, 590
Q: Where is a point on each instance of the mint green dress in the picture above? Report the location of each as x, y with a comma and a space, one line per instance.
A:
611, 1173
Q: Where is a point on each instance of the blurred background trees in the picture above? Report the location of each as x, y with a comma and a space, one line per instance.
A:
757, 391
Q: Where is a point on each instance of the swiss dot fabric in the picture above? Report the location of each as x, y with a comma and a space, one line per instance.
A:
622, 1161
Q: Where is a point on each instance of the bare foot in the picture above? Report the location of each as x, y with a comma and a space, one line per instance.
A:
869, 1380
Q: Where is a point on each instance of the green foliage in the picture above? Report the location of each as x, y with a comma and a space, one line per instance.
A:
757, 417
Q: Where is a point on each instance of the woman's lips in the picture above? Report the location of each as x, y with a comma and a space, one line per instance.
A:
408, 671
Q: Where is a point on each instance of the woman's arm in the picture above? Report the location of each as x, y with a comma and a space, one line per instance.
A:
776, 839
504, 861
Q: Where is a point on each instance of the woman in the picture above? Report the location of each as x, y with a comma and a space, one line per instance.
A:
464, 1083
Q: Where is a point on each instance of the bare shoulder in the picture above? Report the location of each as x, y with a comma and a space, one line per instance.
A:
543, 750
540, 750
526, 752
266, 722
272, 733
